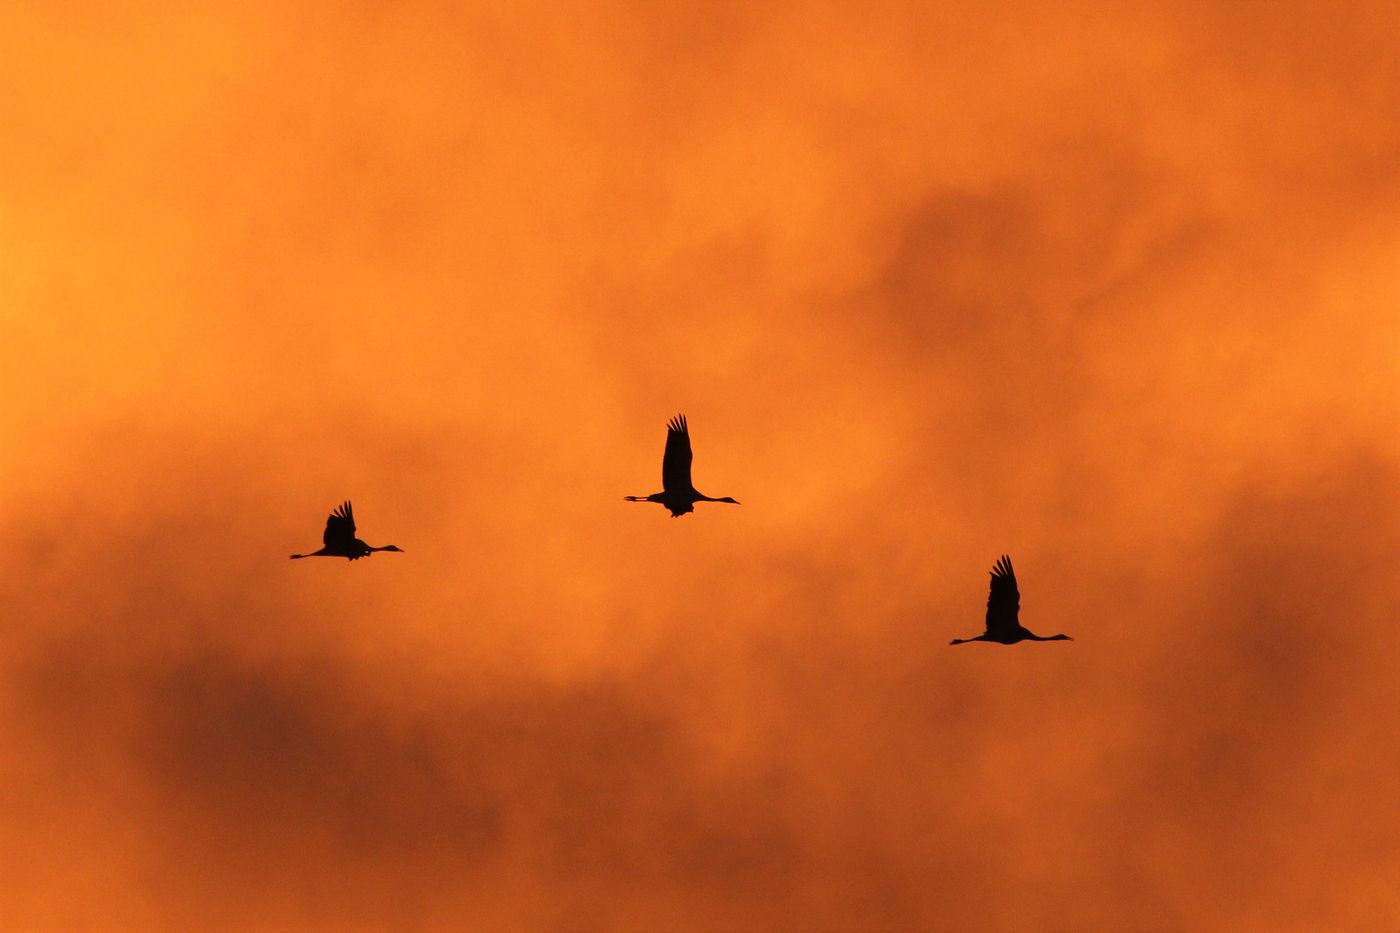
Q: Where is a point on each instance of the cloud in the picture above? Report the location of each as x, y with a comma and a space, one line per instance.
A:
1111, 293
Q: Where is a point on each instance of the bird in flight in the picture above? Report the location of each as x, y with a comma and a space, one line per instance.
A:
1003, 604
677, 494
340, 539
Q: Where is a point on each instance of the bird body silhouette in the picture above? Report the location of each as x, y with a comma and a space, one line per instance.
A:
1003, 608
340, 540
677, 493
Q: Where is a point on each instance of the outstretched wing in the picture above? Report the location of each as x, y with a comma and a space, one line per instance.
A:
1004, 601
675, 466
340, 527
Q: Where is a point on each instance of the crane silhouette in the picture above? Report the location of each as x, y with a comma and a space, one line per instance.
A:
340, 539
677, 493
1003, 604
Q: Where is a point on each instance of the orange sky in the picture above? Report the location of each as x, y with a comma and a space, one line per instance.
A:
1112, 288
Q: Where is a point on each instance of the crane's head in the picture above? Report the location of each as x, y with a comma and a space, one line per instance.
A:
729, 499
391, 547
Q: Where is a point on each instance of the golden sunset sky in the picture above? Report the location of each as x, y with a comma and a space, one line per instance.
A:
1111, 288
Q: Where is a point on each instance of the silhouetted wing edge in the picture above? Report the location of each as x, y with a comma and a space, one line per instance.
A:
340, 526
675, 464
1003, 599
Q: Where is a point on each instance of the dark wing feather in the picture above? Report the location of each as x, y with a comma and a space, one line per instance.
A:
1004, 601
340, 527
675, 466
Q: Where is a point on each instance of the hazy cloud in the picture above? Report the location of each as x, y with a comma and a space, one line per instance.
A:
1111, 291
